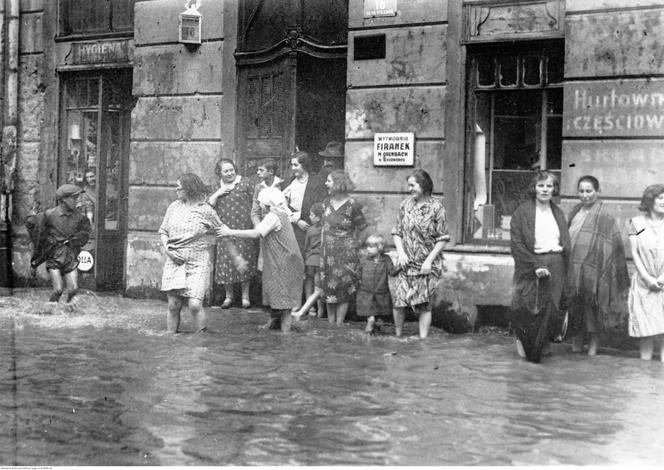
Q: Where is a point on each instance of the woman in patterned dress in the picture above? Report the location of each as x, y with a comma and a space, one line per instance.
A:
342, 223
233, 201
646, 294
419, 237
283, 266
187, 235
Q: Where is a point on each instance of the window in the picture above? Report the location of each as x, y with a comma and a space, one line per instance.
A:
515, 101
92, 17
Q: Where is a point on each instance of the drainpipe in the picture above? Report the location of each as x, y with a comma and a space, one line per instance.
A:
9, 129
8, 149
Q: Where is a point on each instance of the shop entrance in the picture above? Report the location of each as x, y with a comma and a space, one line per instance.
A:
94, 149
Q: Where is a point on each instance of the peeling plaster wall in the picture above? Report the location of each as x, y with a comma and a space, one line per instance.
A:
176, 125
30, 112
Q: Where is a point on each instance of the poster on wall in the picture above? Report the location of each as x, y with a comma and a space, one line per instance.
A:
394, 149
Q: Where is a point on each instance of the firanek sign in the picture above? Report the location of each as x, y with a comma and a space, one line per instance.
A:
630, 108
394, 149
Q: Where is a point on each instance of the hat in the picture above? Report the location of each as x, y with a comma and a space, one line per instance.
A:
90, 173
333, 149
67, 190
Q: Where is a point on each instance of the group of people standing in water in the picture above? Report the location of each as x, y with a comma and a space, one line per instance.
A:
578, 266
311, 231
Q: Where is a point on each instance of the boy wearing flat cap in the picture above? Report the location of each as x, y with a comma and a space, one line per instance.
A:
62, 231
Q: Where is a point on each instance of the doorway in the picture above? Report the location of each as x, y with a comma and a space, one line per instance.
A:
94, 149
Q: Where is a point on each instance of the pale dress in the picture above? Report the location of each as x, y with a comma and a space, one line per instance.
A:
646, 307
190, 232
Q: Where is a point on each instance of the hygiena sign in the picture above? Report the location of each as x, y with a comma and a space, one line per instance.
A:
394, 149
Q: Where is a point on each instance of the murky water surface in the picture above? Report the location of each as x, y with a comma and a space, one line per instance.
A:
102, 384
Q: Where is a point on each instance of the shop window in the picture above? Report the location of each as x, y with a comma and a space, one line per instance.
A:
514, 127
92, 17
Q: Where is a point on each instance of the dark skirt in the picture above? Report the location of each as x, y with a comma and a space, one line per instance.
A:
535, 312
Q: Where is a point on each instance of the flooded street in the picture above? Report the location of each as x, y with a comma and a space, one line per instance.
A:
103, 384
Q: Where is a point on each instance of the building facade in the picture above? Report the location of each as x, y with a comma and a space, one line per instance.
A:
490, 90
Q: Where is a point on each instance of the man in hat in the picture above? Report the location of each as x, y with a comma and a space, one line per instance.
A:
333, 159
62, 231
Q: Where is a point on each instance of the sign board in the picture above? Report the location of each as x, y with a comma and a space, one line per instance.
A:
99, 52
394, 149
376, 8
85, 261
625, 108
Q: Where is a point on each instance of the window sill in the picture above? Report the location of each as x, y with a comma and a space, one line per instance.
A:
479, 248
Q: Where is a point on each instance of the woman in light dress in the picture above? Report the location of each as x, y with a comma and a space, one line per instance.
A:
646, 294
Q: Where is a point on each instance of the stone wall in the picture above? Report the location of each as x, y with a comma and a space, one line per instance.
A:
404, 92
614, 100
31, 112
176, 125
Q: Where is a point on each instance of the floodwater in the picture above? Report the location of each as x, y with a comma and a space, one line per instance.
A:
102, 384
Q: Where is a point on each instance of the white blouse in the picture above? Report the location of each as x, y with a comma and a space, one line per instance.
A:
547, 233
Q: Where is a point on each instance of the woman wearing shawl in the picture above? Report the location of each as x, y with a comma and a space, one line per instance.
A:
540, 246
597, 278
283, 266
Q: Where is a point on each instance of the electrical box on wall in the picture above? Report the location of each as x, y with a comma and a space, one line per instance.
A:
189, 25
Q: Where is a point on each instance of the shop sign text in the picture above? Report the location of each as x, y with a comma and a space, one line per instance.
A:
394, 149
102, 52
632, 108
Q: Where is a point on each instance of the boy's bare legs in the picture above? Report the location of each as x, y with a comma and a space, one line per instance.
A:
311, 300
71, 283
56, 283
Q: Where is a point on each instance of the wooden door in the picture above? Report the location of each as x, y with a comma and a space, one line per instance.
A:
266, 105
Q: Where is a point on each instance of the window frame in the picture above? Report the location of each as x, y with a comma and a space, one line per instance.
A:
107, 31
546, 50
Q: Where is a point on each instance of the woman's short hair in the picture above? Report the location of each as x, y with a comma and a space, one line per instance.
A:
220, 163
543, 175
341, 182
590, 179
270, 164
193, 186
422, 178
376, 239
304, 159
649, 195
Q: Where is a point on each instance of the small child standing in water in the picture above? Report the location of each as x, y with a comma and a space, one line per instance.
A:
312, 255
373, 295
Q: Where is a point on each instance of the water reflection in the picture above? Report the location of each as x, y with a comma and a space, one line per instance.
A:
102, 384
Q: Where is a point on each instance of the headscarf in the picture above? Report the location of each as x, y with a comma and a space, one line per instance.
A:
272, 197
